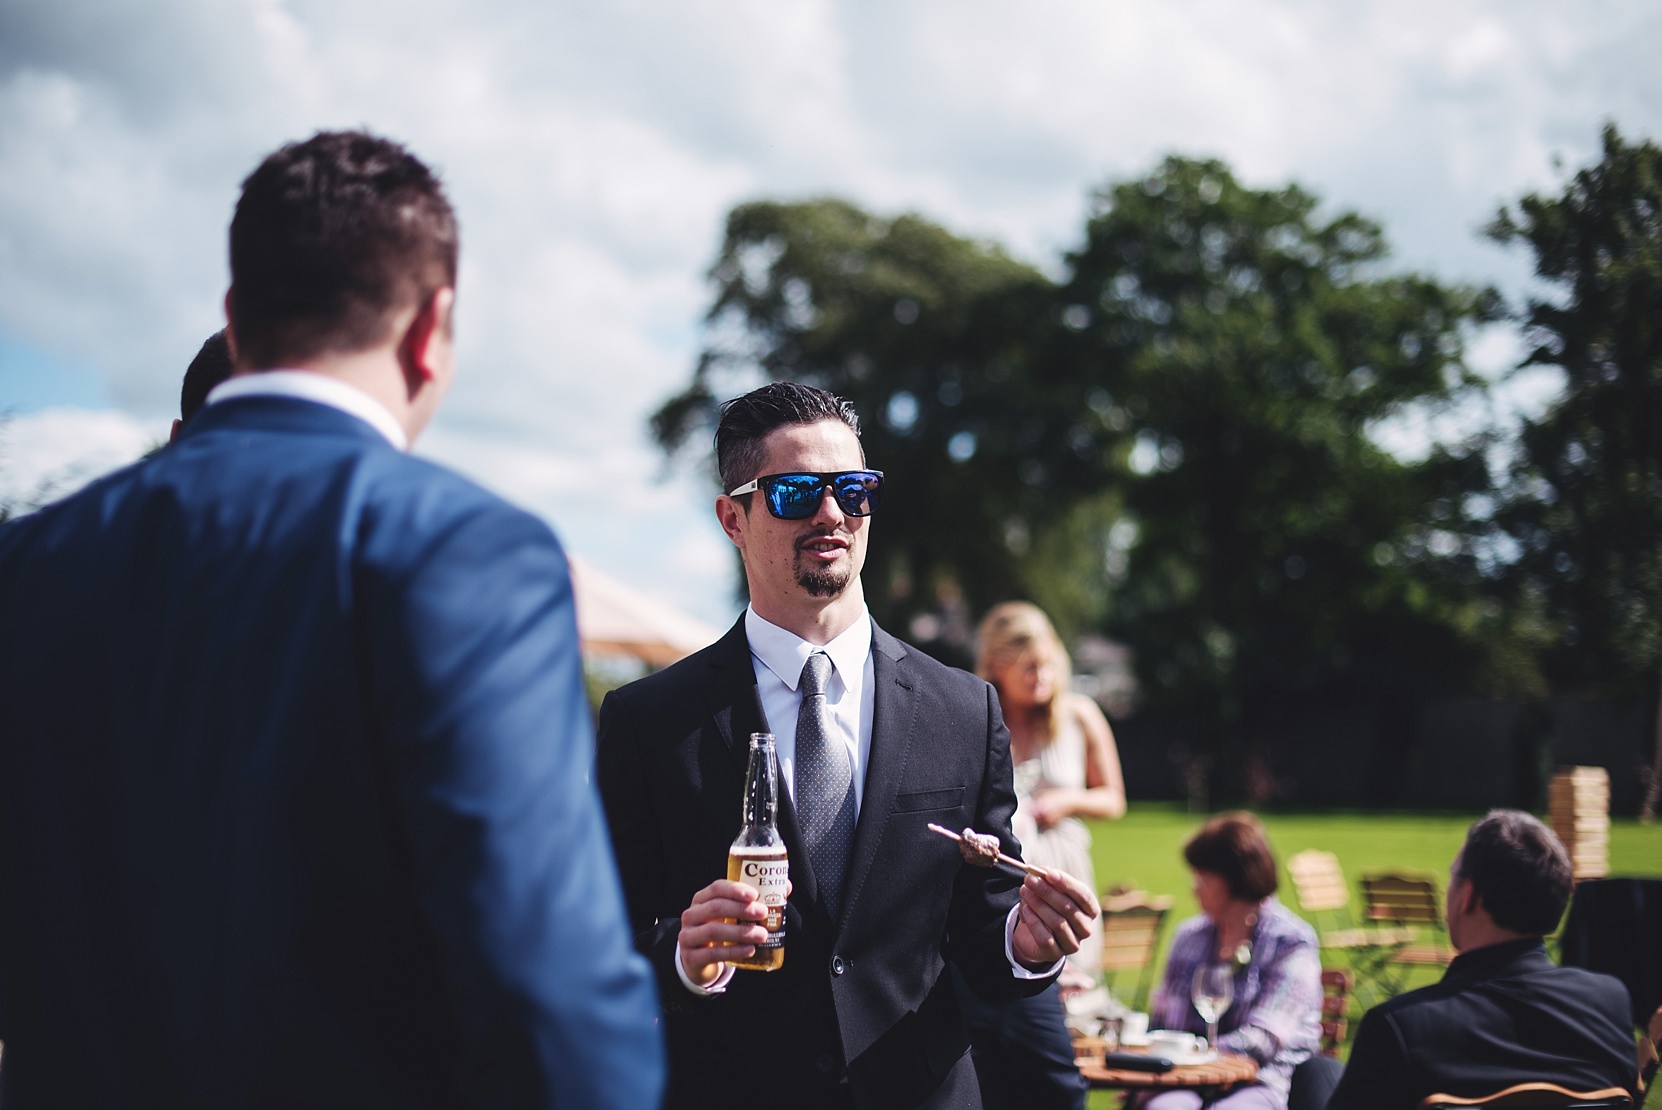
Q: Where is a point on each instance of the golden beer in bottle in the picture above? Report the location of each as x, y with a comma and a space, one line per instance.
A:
757, 857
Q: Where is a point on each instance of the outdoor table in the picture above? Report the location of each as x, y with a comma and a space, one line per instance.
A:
1223, 1072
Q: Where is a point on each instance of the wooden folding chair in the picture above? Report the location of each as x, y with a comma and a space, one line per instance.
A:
1336, 986
1535, 1096
1324, 900
1407, 902
1132, 924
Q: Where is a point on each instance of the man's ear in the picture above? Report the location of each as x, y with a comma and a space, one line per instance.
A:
423, 343
1469, 901
732, 519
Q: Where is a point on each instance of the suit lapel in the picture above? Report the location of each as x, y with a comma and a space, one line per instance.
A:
730, 692
893, 725
736, 708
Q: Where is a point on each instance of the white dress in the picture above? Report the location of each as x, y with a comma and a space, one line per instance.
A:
1066, 845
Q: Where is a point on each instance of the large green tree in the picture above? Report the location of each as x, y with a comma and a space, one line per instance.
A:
1586, 507
1280, 555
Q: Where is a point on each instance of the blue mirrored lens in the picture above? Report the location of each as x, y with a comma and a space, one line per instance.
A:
797, 496
857, 493
794, 496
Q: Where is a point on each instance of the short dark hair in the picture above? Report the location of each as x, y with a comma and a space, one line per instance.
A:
1519, 870
747, 420
332, 236
211, 366
1233, 847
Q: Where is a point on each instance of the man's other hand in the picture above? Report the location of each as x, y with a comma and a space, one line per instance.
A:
1057, 913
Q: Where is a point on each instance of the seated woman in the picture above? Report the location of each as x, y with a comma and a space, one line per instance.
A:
1275, 1017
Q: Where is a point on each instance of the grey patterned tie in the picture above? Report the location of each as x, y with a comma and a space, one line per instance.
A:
824, 786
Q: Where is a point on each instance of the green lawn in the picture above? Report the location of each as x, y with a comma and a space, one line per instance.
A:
1144, 850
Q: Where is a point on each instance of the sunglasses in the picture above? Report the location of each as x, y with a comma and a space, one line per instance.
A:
797, 496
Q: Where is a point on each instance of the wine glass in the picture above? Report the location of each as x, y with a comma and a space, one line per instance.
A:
1212, 991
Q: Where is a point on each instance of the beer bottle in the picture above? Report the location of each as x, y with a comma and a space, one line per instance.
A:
757, 857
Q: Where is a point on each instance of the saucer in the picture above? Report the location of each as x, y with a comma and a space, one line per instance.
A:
1193, 1056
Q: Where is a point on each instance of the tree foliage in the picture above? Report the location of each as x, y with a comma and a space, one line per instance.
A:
1586, 492
1281, 557
1171, 442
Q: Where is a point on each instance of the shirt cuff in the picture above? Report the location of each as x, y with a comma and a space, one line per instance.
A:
1009, 953
719, 986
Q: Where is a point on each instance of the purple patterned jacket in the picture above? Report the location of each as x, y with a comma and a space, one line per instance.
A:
1276, 1015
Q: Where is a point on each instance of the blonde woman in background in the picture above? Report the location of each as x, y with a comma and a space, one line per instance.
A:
1066, 768
1066, 764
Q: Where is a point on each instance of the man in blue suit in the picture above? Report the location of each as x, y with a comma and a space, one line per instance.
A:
294, 798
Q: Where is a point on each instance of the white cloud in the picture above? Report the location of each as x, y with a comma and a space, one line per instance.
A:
613, 507
47, 454
593, 151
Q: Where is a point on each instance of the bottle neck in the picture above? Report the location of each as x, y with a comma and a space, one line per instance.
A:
761, 795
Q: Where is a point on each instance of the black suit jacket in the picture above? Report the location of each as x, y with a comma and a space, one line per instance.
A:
861, 1000
1501, 1015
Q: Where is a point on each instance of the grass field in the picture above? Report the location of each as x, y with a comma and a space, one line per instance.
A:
1144, 850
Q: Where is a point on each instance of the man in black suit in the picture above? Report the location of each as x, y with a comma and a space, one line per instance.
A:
211, 366
1503, 1013
862, 1014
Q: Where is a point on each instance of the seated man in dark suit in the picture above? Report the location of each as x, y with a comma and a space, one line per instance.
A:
1503, 1013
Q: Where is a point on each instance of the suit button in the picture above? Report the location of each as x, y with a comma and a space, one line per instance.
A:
824, 1065
837, 965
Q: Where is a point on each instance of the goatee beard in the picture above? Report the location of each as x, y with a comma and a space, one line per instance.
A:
822, 581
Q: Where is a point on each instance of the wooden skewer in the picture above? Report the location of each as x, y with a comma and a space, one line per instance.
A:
1030, 868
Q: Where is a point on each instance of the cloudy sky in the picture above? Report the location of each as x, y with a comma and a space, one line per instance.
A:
593, 151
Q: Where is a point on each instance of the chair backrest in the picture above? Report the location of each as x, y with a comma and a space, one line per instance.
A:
1132, 924
1318, 882
1403, 899
1336, 986
1546, 1096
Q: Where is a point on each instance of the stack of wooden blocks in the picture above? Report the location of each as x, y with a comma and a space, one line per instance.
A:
1578, 808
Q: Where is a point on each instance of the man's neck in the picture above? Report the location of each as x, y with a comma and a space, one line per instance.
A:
816, 620
374, 372
1486, 934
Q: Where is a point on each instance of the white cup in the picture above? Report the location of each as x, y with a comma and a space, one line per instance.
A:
1133, 1028
1169, 1042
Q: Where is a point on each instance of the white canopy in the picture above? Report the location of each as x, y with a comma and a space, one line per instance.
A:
617, 620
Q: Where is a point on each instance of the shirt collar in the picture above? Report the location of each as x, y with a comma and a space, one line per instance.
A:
784, 652
321, 389
1487, 960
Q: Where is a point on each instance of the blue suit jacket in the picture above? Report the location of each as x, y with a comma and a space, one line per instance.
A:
294, 798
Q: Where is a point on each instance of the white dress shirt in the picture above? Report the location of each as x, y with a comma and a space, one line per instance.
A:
318, 388
778, 657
